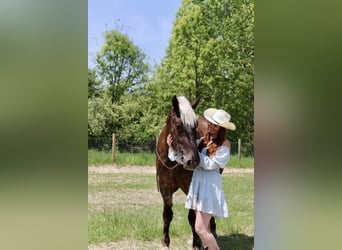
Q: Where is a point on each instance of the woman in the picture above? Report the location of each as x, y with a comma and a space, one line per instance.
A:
206, 194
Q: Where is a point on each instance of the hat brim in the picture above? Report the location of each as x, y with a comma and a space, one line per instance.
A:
210, 112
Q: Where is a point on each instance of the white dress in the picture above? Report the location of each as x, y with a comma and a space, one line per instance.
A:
205, 192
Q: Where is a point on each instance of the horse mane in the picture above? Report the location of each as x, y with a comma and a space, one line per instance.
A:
187, 113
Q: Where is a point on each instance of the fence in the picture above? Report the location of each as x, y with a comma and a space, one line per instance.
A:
121, 144
113, 144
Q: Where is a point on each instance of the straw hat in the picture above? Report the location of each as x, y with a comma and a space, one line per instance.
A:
219, 117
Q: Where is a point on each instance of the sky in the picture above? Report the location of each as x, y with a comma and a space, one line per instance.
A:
147, 23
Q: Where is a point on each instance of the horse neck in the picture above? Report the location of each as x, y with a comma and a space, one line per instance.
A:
167, 127
163, 137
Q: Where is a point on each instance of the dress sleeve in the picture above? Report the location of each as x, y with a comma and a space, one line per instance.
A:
172, 156
219, 160
198, 141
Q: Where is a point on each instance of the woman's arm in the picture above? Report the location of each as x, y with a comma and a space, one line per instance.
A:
219, 160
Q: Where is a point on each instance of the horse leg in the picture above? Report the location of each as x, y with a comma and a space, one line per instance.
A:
213, 227
167, 217
196, 241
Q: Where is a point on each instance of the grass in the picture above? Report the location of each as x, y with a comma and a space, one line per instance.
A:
128, 207
96, 157
139, 159
113, 225
148, 159
108, 182
244, 162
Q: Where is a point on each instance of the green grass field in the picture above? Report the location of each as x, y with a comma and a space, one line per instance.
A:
125, 212
148, 159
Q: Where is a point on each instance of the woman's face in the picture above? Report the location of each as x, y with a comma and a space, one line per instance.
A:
213, 129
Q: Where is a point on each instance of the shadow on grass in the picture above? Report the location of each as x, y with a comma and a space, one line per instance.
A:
236, 242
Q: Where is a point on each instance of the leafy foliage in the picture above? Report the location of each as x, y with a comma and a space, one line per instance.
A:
94, 88
210, 54
121, 65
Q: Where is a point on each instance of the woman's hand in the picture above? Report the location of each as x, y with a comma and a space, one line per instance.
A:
169, 141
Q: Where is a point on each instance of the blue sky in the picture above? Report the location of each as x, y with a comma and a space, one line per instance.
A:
147, 23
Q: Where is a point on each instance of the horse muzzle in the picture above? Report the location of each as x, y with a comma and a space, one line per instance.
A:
191, 164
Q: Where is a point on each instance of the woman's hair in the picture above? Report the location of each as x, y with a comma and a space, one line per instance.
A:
217, 142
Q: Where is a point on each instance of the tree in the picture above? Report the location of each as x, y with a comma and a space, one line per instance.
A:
121, 65
100, 122
94, 88
211, 54
237, 61
121, 106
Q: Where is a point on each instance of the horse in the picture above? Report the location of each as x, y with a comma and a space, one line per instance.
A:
182, 124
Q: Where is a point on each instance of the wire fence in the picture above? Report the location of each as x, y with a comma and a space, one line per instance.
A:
121, 144
124, 145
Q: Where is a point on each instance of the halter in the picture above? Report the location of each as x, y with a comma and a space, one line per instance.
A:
173, 167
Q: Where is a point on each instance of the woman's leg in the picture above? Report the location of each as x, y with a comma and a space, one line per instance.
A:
201, 227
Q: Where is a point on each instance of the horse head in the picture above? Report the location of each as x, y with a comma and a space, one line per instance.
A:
183, 128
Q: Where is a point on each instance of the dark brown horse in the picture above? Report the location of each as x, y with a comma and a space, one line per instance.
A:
181, 123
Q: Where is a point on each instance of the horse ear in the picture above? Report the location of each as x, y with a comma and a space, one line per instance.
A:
195, 102
175, 105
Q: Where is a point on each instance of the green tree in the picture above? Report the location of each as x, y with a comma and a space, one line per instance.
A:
139, 122
135, 121
191, 63
121, 65
237, 62
120, 107
101, 124
211, 54
94, 88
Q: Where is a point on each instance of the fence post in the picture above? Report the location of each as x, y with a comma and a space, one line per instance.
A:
113, 147
239, 149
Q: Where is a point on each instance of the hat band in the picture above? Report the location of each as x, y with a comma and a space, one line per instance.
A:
215, 120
